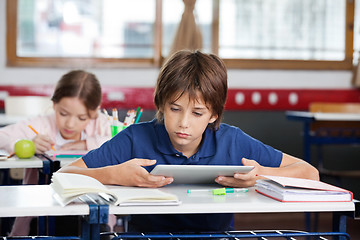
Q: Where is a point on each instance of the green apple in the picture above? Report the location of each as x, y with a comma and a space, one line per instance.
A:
24, 148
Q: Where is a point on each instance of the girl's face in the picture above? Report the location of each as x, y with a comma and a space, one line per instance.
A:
71, 117
185, 121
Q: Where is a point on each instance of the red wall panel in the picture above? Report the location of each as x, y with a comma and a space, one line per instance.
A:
238, 99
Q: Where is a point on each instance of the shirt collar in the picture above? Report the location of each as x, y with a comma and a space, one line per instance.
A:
207, 148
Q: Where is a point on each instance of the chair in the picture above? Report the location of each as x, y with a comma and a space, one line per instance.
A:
333, 132
27, 106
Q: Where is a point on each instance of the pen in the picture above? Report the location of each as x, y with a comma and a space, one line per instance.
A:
37, 134
219, 191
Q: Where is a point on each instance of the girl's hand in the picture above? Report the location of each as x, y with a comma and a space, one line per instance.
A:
42, 143
78, 145
132, 173
242, 179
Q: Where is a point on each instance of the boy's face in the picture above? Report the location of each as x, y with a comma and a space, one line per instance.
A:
185, 121
71, 117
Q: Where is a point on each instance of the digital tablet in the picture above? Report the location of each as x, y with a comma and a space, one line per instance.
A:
199, 174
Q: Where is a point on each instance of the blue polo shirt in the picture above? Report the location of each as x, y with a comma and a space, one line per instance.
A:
149, 140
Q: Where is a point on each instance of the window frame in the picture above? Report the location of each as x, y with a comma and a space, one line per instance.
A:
15, 61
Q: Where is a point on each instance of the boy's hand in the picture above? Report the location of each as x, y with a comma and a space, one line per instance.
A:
242, 179
42, 143
131, 173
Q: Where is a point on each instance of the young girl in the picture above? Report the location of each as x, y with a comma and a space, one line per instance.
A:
190, 96
75, 124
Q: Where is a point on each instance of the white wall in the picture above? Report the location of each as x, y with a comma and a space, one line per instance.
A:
146, 77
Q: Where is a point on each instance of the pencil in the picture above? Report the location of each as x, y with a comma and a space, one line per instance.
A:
138, 116
37, 134
33, 129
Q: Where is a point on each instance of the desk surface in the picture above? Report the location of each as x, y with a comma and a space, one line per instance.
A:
34, 200
250, 202
6, 119
15, 162
37, 200
301, 115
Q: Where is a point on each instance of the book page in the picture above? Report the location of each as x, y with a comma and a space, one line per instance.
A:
303, 183
274, 186
142, 195
70, 186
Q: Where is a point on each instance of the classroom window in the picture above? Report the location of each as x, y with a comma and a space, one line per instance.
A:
289, 29
288, 34
86, 28
172, 13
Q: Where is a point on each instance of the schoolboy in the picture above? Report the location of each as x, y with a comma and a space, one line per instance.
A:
190, 96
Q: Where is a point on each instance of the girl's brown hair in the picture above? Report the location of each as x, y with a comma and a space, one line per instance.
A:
80, 84
192, 72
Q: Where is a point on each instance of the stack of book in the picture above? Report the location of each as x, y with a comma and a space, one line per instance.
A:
288, 189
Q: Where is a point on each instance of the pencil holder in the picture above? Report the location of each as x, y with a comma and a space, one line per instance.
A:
115, 129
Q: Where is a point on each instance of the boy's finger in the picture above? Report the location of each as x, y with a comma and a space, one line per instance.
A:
158, 181
145, 162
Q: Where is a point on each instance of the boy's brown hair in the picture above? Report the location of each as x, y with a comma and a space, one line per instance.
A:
189, 72
80, 84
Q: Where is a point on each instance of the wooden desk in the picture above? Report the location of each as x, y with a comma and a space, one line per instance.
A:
44, 165
37, 200
308, 118
15, 162
250, 202
34, 200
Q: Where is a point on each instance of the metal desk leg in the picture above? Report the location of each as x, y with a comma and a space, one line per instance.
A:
45, 171
339, 223
103, 214
98, 214
90, 224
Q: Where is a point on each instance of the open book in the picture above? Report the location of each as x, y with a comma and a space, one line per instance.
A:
288, 189
71, 187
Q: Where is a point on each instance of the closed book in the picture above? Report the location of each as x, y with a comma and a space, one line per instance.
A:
287, 189
71, 187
